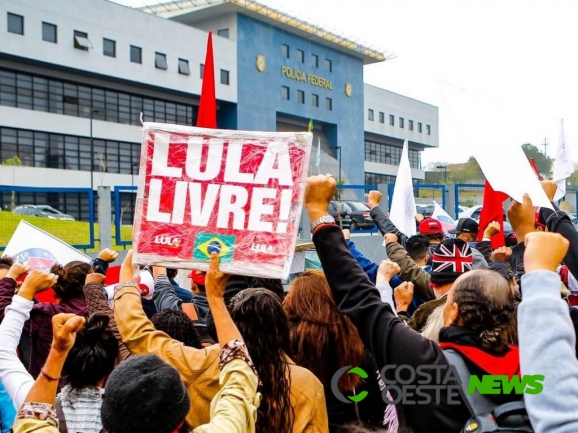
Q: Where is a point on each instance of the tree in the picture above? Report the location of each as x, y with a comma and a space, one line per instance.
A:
543, 163
12, 162
470, 172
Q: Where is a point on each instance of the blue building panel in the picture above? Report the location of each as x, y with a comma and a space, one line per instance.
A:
263, 71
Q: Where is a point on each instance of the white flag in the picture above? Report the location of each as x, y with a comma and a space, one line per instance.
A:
403, 209
448, 223
318, 162
563, 165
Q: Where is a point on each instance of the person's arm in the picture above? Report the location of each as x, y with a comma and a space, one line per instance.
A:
367, 265
485, 249
165, 297
98, 303
8, 285
141, 337
105, 257
37, 413
559, 222
16, 380
383, 223
547, 338
410, 271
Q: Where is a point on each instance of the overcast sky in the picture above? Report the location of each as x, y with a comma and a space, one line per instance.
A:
502, 72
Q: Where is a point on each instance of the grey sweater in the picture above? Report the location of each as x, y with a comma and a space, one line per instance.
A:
547, 343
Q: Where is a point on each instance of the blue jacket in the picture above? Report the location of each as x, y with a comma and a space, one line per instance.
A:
7, 411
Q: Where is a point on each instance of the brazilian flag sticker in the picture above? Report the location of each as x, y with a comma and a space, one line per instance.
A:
208, 243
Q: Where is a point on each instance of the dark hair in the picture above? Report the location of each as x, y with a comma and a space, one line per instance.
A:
417, 247
435, 237
260, 317
6, 262
93, 355
322, 339
71, 279
238, 283
486, 306
178, 326
172, 273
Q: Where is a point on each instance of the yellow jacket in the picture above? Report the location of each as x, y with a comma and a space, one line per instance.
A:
199, 368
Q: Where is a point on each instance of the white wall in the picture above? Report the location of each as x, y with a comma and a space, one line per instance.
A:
381, 100
218, 23
60, 124
56, 178
103, 19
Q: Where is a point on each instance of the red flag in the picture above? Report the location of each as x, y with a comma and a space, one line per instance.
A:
207, 117
492, 210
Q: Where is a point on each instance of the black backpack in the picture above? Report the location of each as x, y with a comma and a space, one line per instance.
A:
487, 416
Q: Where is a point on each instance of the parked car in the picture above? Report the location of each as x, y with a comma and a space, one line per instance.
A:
426, 210
44, 211
341, 212
360, 216
473, 213
462, 211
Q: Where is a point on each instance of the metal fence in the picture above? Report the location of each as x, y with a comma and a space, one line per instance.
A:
67, 213
467, 195
123, 206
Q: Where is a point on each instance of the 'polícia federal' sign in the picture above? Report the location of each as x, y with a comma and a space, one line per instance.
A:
314, 80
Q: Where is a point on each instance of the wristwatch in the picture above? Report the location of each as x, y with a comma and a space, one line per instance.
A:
325, 219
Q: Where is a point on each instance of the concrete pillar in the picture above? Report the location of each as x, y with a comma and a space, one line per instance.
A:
451, 201
383, 188
104, 217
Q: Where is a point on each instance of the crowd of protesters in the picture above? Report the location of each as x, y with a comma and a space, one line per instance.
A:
238, 354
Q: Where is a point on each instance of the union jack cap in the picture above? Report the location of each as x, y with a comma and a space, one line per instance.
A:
454, 256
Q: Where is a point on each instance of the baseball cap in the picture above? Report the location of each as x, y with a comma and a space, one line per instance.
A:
465, 225
451, 258
198, 277
429, 225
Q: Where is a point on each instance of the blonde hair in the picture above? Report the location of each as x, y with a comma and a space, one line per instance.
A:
434, 323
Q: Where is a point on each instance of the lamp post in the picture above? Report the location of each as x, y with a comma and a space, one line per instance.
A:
92, 111
445, 167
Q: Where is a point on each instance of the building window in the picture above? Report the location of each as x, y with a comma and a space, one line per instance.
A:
81, 41
315, 100
224, 77
49, 32
135, 54
428, 129
328, 65
301, 96
161, 61
329, 104
376, 179
391, 120
184, 67
38, 93
202, 71
410, 125
301, 56
285, 50
224, 33
419, 127
285, 93
370, 114
15, 24
108, 47
388, 154
315, 60
381, 117
401, 122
